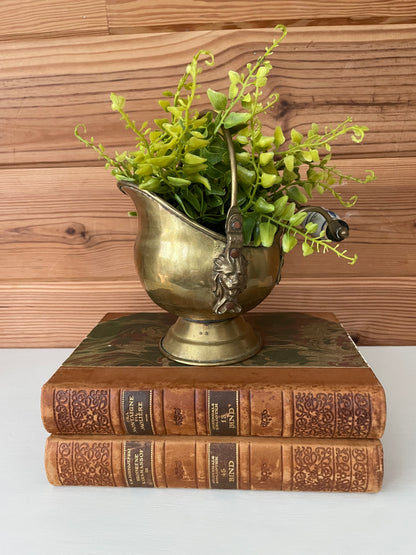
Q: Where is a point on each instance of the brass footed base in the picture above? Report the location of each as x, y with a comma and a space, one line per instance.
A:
211, 343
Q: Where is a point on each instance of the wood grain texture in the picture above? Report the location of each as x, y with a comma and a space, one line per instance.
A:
73, 224
65, 240
323, 75
52, 18
128, 16
376, 311
57, 18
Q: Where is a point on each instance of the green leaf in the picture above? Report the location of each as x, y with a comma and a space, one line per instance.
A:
262, 72
315, 155
261, 81
249, 221
193, 159
289, 161
217, 99
297, 218
162, 161
264, 142
288, 242
295, 194
117, 102
187, 209
178, 181
214, 201
307, 249
215, 152
245, 176
278, 137
242, 139
236, 118
280, 205
314, 130
288, 211
232, 91
160, 122
267, 233
267, 180
265, 158
311, 227
191, 198
174, 110
164, 104
308, 188
263, 207
243, 157
195, 144
296, 137
189, 171
256, 236
151, 184
234, 77
144, 169
198, 178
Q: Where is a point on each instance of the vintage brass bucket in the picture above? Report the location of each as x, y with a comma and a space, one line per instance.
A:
208, 280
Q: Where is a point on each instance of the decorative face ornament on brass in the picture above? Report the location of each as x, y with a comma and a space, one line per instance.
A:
230, 268
229, 274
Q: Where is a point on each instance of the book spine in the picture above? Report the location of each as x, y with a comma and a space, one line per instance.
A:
221, 463
274, 412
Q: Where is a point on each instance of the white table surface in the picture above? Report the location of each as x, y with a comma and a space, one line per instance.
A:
37, 518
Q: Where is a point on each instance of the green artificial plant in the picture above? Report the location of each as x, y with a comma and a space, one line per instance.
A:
184, 158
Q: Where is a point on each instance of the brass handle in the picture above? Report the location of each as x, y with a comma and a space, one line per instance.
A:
229, 276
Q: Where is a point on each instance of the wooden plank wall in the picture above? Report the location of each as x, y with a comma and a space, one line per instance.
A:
65, 239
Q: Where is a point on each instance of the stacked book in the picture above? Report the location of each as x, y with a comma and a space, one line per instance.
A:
305, 414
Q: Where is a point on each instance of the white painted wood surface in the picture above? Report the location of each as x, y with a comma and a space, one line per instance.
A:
37, 518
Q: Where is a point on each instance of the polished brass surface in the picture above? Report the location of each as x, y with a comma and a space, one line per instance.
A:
214, 343
174, 258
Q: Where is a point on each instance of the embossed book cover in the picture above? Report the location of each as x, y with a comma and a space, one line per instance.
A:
309, 380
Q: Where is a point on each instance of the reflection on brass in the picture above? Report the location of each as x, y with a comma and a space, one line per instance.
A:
174, 258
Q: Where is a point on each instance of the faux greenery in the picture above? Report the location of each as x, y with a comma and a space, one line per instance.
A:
184, 159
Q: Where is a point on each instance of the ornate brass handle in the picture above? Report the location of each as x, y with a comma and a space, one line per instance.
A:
229, 276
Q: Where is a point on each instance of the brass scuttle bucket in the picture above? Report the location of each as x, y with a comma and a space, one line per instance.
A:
207, 279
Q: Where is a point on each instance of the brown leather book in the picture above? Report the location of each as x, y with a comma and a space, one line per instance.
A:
256, 463
309, 380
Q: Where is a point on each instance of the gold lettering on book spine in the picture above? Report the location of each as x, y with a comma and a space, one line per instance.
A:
85, 464
327, 414
82, 411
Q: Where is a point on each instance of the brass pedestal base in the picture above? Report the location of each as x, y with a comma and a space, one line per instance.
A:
210, 343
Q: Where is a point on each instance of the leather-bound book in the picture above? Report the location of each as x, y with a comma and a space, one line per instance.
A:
309, 380
258, 463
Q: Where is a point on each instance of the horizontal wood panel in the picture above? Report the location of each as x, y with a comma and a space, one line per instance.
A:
56, 18
375, 311
128, 16
73, 224
323, 75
